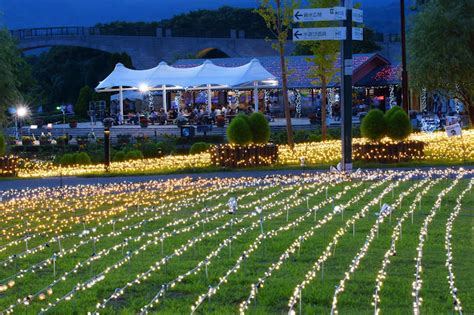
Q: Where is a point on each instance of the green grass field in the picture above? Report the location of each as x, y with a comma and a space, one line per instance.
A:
172, 247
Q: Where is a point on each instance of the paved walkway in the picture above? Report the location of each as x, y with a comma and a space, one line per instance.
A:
56, 181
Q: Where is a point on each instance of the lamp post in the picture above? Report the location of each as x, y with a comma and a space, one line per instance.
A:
107, 125
20, 113
62, 108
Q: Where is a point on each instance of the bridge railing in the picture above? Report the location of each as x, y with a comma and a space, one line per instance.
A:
55, 31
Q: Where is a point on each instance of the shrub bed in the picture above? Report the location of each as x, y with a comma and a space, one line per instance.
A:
244, 156
389, 152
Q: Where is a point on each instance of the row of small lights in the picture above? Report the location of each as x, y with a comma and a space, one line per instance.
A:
311, 274
101, 276
95, 228
178, 252
373, 233
258, 241
438, 147
297, 243
207, 261
396, 235
106, 252
449, 253
417, 283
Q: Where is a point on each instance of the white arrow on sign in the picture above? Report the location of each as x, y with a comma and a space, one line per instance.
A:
323, 14
357, 33
325, 33
326, 14
357, 16
319, 33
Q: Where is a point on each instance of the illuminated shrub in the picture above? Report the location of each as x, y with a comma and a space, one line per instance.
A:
374, 126
82, 158
119, 156
393, 110
398, 125
239, 131
67, 159
134, 155
199, 147
259, 127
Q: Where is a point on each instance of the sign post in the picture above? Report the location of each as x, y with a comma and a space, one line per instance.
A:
345, 33
346, 90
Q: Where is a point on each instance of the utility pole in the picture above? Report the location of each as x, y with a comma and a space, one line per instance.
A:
346, 89
405, 97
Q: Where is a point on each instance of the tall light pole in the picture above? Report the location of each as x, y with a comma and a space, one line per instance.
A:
20, 113
405, 97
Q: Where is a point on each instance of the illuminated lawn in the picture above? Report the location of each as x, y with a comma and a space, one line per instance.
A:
320, 242
439, 150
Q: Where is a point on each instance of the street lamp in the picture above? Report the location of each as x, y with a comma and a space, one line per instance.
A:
20, 113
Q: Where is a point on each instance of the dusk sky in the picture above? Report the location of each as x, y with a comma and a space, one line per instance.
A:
44, 13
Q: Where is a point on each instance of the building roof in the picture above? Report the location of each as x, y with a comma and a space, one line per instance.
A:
299, 68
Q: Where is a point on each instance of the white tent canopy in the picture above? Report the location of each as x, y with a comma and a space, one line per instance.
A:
206, 76
185, 78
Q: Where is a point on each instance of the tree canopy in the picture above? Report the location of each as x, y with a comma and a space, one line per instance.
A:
198, 23
441, 47
62, 71
14, 73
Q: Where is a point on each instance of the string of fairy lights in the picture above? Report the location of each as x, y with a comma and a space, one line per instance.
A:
330, 248
178, 252
372, 235
297, 243
396, 235
260, 239
158, 235
438, 147
449, 248
417, 283
227, 242
56, 252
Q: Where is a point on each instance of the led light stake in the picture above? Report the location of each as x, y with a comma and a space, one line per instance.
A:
54, 265
353, 228
59, 244
326, 192
287, 212
307, 203
113, 226
161, 240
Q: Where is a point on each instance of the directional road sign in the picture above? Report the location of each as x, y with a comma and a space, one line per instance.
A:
326, 14
325, 33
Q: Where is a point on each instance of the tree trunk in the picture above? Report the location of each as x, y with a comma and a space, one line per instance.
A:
324, 94
284, 84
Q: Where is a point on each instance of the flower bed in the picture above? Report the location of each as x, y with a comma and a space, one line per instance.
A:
244, 156
389, 152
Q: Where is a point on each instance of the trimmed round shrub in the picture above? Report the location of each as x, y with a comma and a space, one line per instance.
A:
2, 145
119, 156
82, 158
239, 131
199, 147
374, 126
67, 159
134, 155
398, 126
393, 110
260, 128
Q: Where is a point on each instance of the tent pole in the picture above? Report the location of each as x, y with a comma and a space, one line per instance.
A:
209, 98
255, 95
165, 105
121, 101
